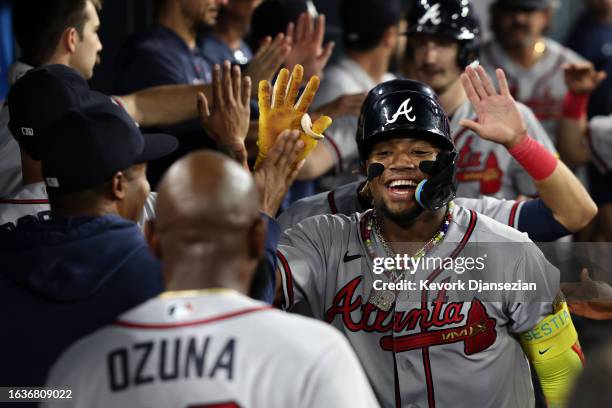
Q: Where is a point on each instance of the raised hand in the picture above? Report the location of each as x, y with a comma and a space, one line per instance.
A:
307, 44
279, 111
499, 119
276, 172
228, 122
268, 59
581, 77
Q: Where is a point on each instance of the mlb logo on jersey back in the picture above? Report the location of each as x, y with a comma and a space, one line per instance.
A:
181, 310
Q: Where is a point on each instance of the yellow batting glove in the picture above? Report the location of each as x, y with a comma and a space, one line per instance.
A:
278, 111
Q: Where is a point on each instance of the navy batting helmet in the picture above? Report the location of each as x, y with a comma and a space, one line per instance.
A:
402, 108
452, 18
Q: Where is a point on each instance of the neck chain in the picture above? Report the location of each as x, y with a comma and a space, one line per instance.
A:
374, 225
385, 299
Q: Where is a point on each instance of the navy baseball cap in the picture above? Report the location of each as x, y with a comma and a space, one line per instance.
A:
272, 17
89, 144
365, 21
42, 96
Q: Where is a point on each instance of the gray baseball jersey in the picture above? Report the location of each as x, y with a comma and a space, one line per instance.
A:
599, 139
541, 87
211, 349
485, 167
342, 78
422, 352
344, 200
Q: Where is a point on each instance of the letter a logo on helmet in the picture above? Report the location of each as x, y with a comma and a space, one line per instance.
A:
404, 109
432, 14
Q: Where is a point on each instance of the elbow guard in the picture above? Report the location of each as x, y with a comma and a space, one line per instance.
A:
553, 349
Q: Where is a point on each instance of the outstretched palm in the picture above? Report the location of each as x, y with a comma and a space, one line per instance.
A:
499, 119
279, 111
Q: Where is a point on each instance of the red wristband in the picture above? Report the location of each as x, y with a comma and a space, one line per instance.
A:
575, 105
535, 159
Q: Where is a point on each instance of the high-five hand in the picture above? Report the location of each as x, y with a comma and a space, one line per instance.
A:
278, 111
228, 123
499, 119
581, 78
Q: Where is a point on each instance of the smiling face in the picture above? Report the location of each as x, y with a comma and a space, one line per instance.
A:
393, 192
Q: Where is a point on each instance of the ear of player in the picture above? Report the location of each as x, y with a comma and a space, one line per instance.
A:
278, 110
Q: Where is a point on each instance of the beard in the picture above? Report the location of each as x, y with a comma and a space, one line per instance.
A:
405, 219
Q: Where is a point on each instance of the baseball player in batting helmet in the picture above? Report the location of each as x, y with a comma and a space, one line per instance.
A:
444, 38
415, 345
452, 18
378, 122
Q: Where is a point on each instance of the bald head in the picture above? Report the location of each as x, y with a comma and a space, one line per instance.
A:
207, 213
206, 189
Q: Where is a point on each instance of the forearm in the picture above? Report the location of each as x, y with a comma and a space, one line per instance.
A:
164, 105
317, 164
567, 198
571, 141
553, 350
557, 186
572, 129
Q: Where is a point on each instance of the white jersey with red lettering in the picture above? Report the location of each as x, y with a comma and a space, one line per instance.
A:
422, 350
213, 349
542, 86
487, 168
599, 139
345, 200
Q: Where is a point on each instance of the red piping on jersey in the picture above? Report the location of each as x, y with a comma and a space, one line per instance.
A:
29, 202
544, 78
337, 150
426, 362
456, 252
398, 397
118, 102
595, 156
512, 217
156, 326
289, 278
332, 202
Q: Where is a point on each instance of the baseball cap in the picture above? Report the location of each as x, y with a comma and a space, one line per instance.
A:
91, 143
529, 5
272, 17
365, 21
42, 96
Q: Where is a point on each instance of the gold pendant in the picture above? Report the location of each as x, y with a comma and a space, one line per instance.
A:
382, 299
